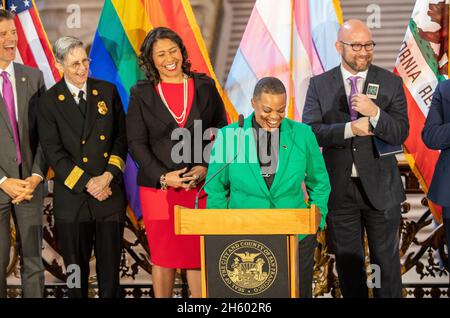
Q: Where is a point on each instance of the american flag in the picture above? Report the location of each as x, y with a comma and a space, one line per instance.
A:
33, 48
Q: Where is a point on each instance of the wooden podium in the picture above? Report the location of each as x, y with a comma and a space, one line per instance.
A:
252, 258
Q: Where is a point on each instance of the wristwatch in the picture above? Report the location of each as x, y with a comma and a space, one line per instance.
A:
162, 181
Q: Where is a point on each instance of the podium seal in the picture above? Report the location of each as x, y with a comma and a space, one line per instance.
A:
248, 267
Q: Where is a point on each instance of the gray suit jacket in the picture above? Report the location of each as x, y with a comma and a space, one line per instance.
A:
29, 86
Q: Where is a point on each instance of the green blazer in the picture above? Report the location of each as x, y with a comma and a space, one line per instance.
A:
241, 185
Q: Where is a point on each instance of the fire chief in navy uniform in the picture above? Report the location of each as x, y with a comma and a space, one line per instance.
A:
82, 130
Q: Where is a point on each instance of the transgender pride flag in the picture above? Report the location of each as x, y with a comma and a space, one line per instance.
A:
289, 39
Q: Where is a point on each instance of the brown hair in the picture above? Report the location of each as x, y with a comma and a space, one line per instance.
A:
6, 15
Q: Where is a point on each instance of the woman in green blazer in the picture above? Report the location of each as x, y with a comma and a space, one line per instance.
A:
273, 156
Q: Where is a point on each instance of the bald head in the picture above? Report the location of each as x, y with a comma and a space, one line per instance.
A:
354, 28
355, 46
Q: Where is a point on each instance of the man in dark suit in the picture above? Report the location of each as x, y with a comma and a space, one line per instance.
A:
366, 190
22, 167
436, 135
82, 130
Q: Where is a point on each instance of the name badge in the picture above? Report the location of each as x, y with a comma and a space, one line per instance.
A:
372, 90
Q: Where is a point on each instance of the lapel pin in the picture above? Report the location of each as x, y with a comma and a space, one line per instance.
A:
372, 90
94, 92
61, 97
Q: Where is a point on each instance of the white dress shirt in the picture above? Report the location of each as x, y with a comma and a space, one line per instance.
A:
75, 90
12, 79
348, 133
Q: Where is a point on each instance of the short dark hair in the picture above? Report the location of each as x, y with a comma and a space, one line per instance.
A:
146, 57
269, 85
6, 15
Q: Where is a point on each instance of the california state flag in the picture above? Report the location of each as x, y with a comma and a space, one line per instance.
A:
422, 63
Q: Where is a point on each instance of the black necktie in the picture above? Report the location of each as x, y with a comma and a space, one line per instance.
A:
82, 104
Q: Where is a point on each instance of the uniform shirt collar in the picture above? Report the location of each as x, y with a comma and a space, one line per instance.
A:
75, 90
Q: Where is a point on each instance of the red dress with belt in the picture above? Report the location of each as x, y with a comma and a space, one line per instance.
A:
167, 249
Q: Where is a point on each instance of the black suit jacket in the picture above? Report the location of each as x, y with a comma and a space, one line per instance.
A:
79, 148
150, 126
326, 110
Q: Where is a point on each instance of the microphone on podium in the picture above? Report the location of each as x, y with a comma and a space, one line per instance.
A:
240, 124
241, 120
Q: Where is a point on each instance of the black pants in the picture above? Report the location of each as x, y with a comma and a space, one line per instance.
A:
346, 226
446, 219
306, 248
75, 241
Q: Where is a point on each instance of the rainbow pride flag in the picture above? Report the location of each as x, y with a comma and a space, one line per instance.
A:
289, 39
121, 30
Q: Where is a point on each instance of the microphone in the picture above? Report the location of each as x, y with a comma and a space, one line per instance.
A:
241, 121
241, 124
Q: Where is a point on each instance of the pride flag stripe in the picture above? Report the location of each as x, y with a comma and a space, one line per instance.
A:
289, 39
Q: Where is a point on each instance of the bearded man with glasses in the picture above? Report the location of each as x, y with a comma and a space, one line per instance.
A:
350, 108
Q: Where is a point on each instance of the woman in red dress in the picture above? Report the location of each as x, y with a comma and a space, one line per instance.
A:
163, 113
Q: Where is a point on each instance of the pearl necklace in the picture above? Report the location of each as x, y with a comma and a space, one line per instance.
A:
178, 119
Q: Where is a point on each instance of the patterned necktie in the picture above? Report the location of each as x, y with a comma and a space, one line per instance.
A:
82, 104
353, 80
8, 99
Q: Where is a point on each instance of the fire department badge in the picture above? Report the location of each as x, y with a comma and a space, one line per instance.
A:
102, 108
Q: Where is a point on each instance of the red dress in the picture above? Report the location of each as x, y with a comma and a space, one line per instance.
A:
167, 249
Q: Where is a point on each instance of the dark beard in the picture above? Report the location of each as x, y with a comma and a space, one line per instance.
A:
354, 66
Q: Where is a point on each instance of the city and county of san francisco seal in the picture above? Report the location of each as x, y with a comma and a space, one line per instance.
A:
248, 267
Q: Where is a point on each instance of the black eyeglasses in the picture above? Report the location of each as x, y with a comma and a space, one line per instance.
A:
358, 46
